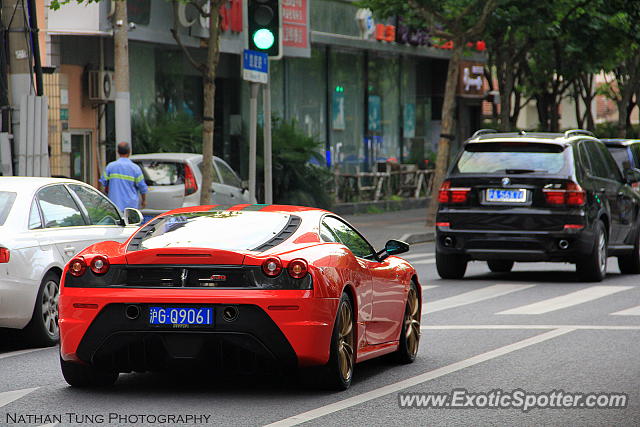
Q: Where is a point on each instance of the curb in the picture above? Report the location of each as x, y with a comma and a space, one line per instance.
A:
415, 238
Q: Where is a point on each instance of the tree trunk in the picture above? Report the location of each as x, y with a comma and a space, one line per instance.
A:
447, 129
209, 93
121, 75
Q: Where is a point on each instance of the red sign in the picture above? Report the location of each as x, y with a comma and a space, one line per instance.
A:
231, 16
295, 32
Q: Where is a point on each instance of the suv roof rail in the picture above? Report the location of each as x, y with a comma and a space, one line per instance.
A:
576, 132
482, 132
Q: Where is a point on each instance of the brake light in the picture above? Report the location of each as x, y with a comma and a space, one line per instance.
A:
298, 268
572, 195
77, 267
99, 265
4, 255
190, 183
450, 194
271, 267
573, 226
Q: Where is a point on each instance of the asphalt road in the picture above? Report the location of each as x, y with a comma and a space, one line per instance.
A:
536, 329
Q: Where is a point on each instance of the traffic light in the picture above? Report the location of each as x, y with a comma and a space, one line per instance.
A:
265, 29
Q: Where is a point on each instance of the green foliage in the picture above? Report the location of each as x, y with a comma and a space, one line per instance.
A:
158, 131
610, 130
296, 181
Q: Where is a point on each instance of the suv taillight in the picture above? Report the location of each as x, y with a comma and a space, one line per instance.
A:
4, 255
190, 184
450, 194
572, 194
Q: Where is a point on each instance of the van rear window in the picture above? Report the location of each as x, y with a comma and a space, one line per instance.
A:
512, 157
6, 202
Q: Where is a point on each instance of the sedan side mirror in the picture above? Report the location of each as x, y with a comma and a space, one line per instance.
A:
393, 247
132, 216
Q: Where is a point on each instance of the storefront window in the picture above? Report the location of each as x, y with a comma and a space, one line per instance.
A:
306, 93
383, 123
347, 109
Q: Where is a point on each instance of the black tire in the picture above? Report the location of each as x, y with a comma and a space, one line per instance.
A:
500, 266
630, 264
450, 266
43, 330
409, 342
79, 375
341, 345
593, 266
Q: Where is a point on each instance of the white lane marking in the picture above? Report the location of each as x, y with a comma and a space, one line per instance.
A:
423, 261
9, 396
418, 379
19, 352
493, 327
471, 297
568, 300
424, 288
633, 311
420, 255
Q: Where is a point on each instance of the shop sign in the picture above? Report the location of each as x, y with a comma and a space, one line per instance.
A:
295, 25
66, 142
230, 16
471, 79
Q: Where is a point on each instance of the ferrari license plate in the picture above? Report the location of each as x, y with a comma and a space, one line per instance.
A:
506, 196
180, 315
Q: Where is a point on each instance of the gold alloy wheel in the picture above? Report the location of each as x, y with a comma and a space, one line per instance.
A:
345, 341
412, 322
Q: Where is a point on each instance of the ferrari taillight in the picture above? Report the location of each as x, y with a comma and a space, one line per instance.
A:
298, 268
99, 265
271, 267
190, 183
77, 267
4, 255
450, 194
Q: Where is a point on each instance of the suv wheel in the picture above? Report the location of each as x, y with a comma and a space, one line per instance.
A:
630, 264
450, 266
593, 268
500, 266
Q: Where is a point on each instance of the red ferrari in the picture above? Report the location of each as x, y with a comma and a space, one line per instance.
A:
234, 286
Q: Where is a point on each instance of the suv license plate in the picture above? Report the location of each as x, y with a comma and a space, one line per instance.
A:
506, 196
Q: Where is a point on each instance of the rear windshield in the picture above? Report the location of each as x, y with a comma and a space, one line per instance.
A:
159, 173
620, 155
511, 157
228, 230
6, 201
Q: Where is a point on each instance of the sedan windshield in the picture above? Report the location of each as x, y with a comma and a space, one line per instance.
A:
227, 230
6, 202
512, 158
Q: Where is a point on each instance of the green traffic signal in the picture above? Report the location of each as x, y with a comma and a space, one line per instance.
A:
263, 39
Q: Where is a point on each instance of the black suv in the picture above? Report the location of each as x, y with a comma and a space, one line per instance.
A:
536, 197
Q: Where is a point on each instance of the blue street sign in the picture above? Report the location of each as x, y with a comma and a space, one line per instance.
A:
255, 66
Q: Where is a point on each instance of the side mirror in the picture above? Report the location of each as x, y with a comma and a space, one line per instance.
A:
393, 247
132, 216
632, 175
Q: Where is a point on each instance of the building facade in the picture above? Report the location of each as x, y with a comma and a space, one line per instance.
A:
368, 91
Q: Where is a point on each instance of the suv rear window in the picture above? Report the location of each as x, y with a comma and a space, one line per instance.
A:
511, 157
6, 202
160, 173
227, 230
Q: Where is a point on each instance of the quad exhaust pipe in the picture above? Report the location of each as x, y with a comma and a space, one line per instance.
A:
563, 244
448, 241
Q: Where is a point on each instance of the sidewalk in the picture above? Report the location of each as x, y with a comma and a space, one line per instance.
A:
407, 225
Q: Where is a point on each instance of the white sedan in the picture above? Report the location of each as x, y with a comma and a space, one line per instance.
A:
44, 222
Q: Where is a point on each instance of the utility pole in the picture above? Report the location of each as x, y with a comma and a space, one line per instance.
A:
268, 170
13, 19
121, 53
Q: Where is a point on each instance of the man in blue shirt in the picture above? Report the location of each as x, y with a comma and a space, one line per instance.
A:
123, 179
